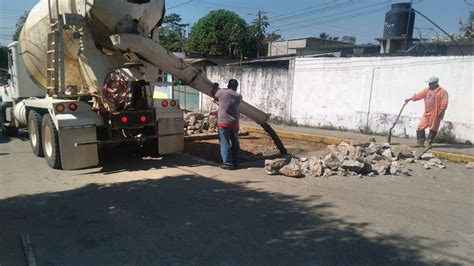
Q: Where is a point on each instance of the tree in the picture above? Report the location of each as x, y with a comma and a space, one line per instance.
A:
324, 35
258, 29
349, 39
19, 26
468, 29
172, 33
220, 32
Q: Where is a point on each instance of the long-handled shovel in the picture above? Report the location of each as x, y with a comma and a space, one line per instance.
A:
389, 138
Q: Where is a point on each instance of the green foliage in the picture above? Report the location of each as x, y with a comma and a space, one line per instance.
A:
467, 29
324, 35
257, 30
19, 26
446, 135
220, 32
349, 39
172, 33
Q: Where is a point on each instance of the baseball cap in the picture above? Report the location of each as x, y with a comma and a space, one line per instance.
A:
433, 79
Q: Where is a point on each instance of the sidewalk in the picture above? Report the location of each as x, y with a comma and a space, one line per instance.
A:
451, 152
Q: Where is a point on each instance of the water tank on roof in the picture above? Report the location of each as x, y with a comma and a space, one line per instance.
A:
396, 21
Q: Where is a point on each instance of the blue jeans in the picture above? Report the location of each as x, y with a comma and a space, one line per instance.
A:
230, 147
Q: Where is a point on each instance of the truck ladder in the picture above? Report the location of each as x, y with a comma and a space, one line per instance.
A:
55, 75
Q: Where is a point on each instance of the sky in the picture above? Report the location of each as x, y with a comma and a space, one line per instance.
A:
297, 18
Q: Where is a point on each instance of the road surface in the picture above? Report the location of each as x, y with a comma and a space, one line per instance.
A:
185, 210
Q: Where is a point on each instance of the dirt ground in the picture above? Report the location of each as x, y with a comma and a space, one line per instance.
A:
253, 147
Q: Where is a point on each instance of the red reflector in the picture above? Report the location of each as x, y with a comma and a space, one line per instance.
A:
72, 106
164, 103
173, 103
124, 119
143, 118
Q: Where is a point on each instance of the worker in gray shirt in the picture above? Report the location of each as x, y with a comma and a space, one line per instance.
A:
228, 123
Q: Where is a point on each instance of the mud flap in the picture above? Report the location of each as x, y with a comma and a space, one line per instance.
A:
73, 157
170, 136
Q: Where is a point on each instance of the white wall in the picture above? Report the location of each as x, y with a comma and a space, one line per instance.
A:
356, 92
265, 88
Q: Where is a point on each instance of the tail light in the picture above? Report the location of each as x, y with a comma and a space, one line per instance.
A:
72, 106
173, 103
60, 108
164, 103
124, 119
143, 118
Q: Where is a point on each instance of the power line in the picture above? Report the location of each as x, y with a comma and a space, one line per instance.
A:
312, 11
337, 19
299, 11
178, 5
335, 14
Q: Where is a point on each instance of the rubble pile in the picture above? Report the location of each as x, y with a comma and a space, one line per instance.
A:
363, 159
198, 123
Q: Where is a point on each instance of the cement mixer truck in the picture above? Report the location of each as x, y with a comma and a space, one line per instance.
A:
82, 75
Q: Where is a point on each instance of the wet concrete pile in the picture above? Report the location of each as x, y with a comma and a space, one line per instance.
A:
198, 123
362, 159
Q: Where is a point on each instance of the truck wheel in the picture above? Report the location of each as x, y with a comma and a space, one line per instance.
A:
34, 131
51, 142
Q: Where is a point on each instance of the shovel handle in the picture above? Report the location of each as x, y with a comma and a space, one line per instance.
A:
398, 117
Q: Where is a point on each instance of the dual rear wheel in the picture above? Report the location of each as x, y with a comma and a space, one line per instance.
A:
44, 138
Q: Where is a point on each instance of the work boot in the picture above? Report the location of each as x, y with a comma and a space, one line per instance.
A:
431, 137
420, 137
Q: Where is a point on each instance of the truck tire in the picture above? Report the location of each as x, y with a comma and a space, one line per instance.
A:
7, 131
50, 142
34, 131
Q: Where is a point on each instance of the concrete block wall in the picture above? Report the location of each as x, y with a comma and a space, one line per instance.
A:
357, 93
266, 88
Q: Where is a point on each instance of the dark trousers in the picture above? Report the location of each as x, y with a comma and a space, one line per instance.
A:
230, 146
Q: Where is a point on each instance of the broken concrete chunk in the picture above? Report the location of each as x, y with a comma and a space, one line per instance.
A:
272, 167
316, 168
375, 158
435, 161
385, 145
410, 160
441, 166
398, 169
353, 166
470, 165
387, 153
427, 156
381, 167
372, 148
426, 166
291, 170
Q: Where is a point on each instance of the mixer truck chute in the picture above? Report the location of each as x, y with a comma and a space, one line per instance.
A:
82, 75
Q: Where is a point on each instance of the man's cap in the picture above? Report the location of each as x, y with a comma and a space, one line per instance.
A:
433, 79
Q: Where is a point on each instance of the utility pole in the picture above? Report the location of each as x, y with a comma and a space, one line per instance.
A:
260, 29
182, 30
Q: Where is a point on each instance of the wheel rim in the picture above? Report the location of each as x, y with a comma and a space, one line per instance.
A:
33, 133
48, 141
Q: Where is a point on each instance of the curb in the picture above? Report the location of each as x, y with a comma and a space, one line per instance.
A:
453, 157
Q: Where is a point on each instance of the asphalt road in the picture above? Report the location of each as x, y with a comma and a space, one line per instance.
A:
182, 210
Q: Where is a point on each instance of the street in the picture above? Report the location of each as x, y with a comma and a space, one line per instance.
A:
181, 209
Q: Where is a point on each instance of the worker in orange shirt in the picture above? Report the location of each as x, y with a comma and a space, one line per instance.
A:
436, 103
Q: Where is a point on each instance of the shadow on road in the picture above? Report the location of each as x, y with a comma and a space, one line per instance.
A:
192, 220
